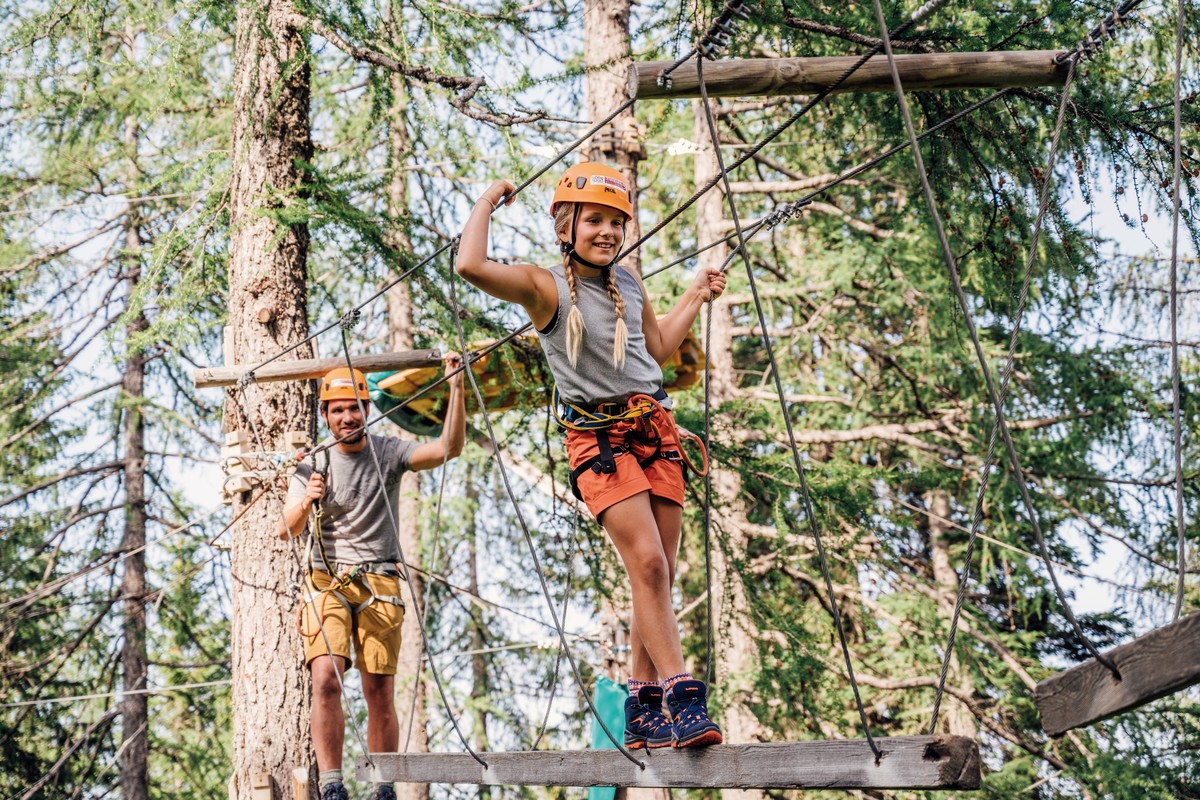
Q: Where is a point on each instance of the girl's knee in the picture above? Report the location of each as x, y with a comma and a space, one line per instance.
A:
650, 568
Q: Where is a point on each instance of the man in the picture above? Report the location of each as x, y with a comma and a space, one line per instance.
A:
354, 584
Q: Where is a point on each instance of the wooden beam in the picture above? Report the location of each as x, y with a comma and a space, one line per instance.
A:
909, 762
303, 369
755, 77
1152, 666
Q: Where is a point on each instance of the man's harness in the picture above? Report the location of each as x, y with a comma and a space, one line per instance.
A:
641, 410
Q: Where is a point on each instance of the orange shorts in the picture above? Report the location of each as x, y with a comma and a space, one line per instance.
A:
646, 454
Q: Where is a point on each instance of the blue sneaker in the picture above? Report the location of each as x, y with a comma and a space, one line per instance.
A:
385, 792
335, 791
691, 726
645, 723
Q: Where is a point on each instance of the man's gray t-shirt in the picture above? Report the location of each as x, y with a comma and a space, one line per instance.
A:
356, 527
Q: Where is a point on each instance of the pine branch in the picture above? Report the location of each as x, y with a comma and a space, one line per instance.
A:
466, 86
108, 466
812, 26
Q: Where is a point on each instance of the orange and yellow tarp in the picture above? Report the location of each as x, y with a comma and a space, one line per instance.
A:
506, 377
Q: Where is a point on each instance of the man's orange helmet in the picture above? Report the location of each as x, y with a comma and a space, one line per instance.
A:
341, 383
590, 182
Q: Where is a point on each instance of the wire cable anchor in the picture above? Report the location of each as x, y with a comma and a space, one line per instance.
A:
721, 32
1091, 44
718, 36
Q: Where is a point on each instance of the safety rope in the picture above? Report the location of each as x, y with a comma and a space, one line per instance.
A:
706, 519
249, 373
789, 211
537, 565
427, 596
570, 561
997, 400
916, 16
1176, 425
248, 376
382, 490
806, 497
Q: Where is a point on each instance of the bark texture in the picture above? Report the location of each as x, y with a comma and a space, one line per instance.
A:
135, 749
410, 683
267, 270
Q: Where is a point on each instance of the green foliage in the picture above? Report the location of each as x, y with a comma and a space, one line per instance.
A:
863, 322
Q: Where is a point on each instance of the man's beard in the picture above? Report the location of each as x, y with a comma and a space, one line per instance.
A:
353, 437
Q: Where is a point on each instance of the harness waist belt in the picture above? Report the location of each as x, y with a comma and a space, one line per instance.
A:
374, 567
606, 408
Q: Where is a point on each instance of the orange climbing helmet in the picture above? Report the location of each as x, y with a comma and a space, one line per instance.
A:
590, 182
341, 383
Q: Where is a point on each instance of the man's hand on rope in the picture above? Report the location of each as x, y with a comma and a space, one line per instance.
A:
315, 490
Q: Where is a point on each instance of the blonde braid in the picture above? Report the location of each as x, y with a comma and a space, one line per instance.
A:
575, 326
621, 333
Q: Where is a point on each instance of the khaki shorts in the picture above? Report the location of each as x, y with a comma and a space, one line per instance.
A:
638, 442
375, 631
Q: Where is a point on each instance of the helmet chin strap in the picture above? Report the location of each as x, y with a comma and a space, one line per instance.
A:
568, 248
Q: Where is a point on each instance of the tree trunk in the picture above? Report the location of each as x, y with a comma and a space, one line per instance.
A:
410, 683
955, 719
135, 749
735, 654
267, 281
606, 54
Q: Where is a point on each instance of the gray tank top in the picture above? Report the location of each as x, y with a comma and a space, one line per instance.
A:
594, 379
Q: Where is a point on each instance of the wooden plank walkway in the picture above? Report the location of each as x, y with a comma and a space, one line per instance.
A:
1152, 666
909, 762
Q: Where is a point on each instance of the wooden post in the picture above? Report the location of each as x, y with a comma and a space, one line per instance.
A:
305, 368
300, 783
752, 77
909, 762
1152, 666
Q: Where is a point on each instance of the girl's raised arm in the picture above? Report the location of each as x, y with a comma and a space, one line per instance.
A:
664, 334
531, 287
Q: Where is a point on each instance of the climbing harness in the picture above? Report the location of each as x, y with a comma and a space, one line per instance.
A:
619, 428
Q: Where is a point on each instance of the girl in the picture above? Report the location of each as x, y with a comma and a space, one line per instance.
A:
605, 347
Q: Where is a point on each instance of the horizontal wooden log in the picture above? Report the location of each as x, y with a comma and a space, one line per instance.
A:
755, 77
909, 762
1160, 663
305, 368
